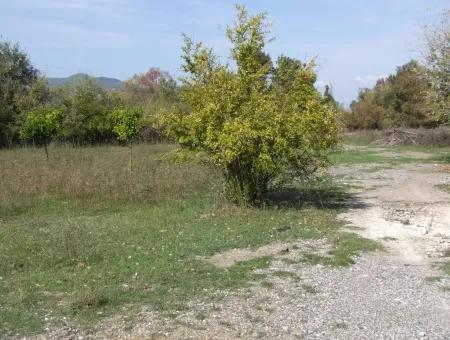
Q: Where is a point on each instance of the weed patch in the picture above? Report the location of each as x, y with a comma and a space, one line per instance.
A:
82, 239
286, 274
309, 289
444, 187
446, 267
267, 284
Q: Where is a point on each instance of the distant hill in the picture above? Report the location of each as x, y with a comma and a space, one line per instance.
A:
105, 82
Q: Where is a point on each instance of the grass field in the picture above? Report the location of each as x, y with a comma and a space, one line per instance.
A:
360, 149
81, 238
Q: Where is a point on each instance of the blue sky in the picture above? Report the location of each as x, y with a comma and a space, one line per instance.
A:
354, 41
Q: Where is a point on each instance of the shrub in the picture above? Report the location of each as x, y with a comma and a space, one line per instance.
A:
41, 126
258, 123
87, 111
127, 124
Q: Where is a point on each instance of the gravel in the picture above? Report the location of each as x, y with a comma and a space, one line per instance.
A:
397, 294
379, 297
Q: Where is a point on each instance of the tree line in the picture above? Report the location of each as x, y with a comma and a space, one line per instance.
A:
261, 122
417, 95
80, 113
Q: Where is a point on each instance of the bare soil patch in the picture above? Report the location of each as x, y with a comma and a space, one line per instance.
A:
400, 293
405, 209
231, 257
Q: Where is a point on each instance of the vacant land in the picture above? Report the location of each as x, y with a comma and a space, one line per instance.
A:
88, 248
83, 239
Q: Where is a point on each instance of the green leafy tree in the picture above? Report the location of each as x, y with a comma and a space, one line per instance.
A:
402, 99
366, 112
41, 126
437, 58
141, 87
87, 109
127, 124
16, 77
257, 122
153, 91
39, 95
329, 98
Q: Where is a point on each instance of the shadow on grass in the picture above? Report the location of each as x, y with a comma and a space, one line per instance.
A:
442, 158
320, 195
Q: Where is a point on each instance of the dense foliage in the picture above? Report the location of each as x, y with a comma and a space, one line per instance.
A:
217, 103
127, 123
41, 126
437, 57
401, 99
86, 108
153, 91
257, 122
416, 96
16, 78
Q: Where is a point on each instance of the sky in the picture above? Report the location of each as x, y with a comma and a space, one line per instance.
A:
354, 42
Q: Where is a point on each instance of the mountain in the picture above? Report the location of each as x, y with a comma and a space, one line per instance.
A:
105, 82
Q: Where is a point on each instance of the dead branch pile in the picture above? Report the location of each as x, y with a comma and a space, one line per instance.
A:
394, 137
398, 136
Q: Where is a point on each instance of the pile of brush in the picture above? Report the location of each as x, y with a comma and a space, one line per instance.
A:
431, 137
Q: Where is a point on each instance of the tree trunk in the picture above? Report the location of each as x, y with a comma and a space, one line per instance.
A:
131, 157
46, 151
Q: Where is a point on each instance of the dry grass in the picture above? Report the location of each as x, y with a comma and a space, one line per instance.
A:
96, 173
82, 238
424, 137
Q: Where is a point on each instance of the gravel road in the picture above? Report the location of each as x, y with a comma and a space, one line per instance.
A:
397, 294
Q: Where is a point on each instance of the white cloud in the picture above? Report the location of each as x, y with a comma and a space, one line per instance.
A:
322, 83
64, 35
369, 79
112, 8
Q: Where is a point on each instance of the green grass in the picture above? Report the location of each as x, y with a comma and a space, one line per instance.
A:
82, 238
345, 248
285, 274
444, 187
267, 284
309, 289
421, 148
349, 157
361, 138
371, 155
422, 137
444, 157
433, 279
356, 157
446, 267
363, 150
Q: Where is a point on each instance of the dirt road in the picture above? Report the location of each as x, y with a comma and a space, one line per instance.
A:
397, 294
404, 209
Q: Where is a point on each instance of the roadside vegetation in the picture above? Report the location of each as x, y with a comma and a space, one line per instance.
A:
81, 238
226, 158
417, 95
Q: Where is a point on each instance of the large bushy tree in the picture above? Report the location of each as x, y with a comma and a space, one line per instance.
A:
256, 121
402, 99
87, 112
437, 57
154, 91
16, 78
